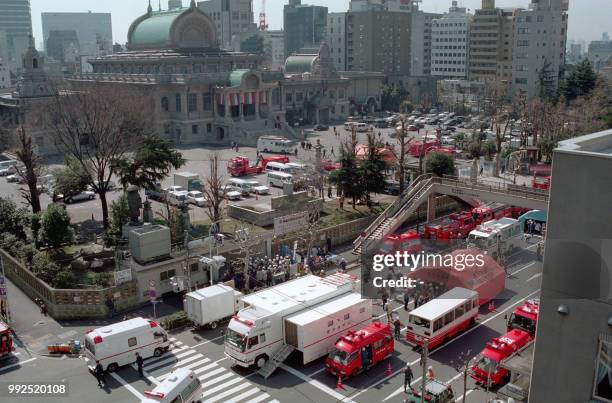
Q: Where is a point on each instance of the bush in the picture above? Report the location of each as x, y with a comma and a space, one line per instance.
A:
44, 268
99, 279
27, 253
175, 321
11, 244
55, 229
65, 278
439, 164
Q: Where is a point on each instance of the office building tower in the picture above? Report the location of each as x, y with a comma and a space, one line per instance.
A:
94, 31
16, 23
450, 43
336, 39
232, 18
305, 26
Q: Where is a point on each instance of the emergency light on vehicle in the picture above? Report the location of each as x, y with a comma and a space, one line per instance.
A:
152, 323
97, 339
247, 322
156, 395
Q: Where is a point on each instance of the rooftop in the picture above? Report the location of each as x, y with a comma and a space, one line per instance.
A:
595, 144
443, 303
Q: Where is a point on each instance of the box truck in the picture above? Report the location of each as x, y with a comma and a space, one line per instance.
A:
307, 314
497, 236
188, 180
210, 305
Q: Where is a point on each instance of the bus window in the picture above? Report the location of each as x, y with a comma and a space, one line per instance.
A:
438, 324
448, 318
415, 320
459, 312
468, 306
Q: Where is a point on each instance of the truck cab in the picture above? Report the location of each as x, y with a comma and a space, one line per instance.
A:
496, 235
435, 392
525, 317
6, 340
407, 242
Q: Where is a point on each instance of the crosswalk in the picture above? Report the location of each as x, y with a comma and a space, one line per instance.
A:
219, 383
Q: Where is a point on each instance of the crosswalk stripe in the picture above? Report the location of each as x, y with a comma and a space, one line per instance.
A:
221, 387
243, 395
195, 364
274, 401
176, 350
217, 379
184, 354
160, 368
211, 373
172, 339
209, 366
177, 343
228, 393
259, 398
159, 362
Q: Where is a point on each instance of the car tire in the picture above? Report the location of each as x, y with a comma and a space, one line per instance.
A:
68, 201
261, 361
265, 150
158, 352
112, 367
213, 325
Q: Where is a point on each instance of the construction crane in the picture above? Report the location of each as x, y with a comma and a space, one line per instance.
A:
262, 17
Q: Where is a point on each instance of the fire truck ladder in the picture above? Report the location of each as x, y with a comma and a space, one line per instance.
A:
275, 361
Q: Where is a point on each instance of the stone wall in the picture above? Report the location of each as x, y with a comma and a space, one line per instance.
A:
69, 304
280, 206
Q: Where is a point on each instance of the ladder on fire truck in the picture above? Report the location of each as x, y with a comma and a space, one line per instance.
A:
275, 361
425, 185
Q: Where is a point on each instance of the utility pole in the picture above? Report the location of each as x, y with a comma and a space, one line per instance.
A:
187, 265
424, 355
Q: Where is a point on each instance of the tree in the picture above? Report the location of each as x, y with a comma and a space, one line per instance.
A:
55, 229
392, 97
347, 177
439, 164
462, 365
175, 221
371, 170
214, 189
70, 179
13, 220
44, 268
150, 164
580, 82
403, 141
32, 170
120, 214
97, 127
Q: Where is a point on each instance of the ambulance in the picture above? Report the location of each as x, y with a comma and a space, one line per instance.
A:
346, 359
117, 344
495, 236
181, 386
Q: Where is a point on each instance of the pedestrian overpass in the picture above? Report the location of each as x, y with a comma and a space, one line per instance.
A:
426, 187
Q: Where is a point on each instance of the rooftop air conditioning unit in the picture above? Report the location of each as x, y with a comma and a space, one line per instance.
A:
150, 243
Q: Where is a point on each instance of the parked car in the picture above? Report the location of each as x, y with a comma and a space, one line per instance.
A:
14, 178
8, 167
231, 194
84, 195
391, 188
111, 186
258, 188
321, 128
155, 193
197, 198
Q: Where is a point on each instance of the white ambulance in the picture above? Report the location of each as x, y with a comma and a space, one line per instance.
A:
181, 386
497, 236
117, 344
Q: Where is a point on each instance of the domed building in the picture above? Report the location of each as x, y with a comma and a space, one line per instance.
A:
201, 93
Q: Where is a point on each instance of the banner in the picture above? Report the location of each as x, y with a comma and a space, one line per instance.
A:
123, 276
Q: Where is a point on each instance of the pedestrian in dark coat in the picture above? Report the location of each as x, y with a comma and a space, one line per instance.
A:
99, 373
140, 364
407, 377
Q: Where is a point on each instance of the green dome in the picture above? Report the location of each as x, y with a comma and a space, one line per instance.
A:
155, 29
298, 64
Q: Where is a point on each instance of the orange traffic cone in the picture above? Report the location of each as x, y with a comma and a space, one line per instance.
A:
388, 371
491, 307
339, 385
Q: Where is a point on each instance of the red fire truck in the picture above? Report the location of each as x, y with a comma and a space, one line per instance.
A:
418, 147
374, 341
6, 340
542, 183
525, 317
239, 166
486, 370
407, 242
456, 225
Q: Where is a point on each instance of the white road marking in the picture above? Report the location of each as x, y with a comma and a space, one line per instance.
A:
217, 379
227, 393
208, 341
184, 353
243, 396
192, 365
534, 277
209, 366
159, 368
400, 390
16, 364
315, 383
318, 371
460, 398
211, 373
259, 398
128, 386
208, 392
521, 269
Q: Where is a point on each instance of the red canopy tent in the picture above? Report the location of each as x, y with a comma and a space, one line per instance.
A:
361, 152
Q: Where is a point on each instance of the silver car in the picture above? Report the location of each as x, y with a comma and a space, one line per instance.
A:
84, 195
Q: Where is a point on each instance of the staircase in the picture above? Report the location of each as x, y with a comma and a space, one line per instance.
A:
276, 360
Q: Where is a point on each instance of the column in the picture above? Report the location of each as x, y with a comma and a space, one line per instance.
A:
241, 106
256, 100
431, 207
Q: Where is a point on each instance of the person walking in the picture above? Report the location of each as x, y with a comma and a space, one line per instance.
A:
397, 328
111, 307
389, 314
99, 373
343, 265
430, 373
539, 251
341, 202
295, 152
406, 300
332, 152
140, 364
408, 375
384, 300
324, 151
43, 309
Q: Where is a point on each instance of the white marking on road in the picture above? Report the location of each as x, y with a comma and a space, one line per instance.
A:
521, 269
222, 359
209, 366
16, 364
460, 398
454, 378
228, 393
208, 341
318, 371
243, 395
217, 379
192, 365
400, 390
128, 386
534, 277
315, 383
211, 373
221, 387
259, 398
159, 368
176, 350
184, 354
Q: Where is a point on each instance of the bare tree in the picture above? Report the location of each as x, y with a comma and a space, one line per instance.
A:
96, 127
403, 141
32, 168
214, 190
462, 365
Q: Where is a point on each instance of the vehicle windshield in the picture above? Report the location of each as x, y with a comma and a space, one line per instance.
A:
486, 364
236, 339
339, 356
477, 241
517, 321
415, 320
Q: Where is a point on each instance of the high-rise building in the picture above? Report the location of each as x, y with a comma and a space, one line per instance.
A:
94, 30
63, 47
574, 337
600, 52
16, 22
336, 39
450, 43
491, 43
540, 37
274, 48
575, 53
378, 41
232, 18
5, 75
305, 26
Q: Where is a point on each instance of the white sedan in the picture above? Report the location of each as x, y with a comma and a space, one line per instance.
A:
231, 194
258, 188
197, 198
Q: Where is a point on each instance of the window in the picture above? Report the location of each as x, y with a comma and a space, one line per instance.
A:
347, 316
448, 318
459, 312
252, 341
192, 102
165, 275
165, 104
519, 80
178, 103
299, 97
289, 97
438, 324
330, 323
132, 342
540, 18
193, 267
194, 129
208, 127
262, 338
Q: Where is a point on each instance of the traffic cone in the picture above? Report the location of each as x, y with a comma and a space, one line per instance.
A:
491, 307
388, 371
339, 385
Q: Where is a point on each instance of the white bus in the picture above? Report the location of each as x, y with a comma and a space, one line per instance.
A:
240, 185
362, 127
278, 167
181, 386
275, 144
295, 167
442, 318
279, 178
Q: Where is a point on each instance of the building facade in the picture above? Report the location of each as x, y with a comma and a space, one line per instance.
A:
274, 48
305, 26
599, 52
231, 17
94, 31
336, 39
540, 38
5, 75
574, 332
450, 43
16, 23
491, 43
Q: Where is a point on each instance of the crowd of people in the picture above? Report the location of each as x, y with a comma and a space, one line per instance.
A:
263, 271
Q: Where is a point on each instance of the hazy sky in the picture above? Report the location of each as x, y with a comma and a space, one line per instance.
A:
587, 18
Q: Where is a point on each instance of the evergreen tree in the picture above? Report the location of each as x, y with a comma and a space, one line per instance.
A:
347, 178
372, 170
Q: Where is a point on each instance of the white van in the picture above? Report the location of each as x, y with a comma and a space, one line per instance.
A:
177, 198
361, 127
279, 178
277, 167
181, 386
240, 185
117, 344
275, 144
295, 167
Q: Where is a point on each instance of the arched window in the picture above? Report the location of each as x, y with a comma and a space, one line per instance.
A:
164, 104
35, 63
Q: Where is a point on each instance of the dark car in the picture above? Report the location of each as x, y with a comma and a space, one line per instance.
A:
321, 128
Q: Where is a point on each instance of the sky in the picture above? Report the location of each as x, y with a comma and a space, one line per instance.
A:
587, 18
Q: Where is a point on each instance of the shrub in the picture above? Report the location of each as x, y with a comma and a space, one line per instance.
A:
175, 321
439, 164
44, 268
55, 229
65, 278
27, 253
11, 244
99, 279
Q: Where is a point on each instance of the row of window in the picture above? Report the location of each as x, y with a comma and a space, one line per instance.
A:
449, 69
451, 40
434, 61
169, 69
449, 54
449, 47
449, 32
192, 103
529, 18
449, 24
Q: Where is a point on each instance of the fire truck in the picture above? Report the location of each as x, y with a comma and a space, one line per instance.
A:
525, 317
486, 369
456, 225
497, 236
442, 150
346, 358
6, 340
542, 183
407, 242
418, 147
239, 166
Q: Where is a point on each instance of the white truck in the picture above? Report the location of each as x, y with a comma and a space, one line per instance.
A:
275, 144
188, 181
210, 305
307, 314
497, 236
